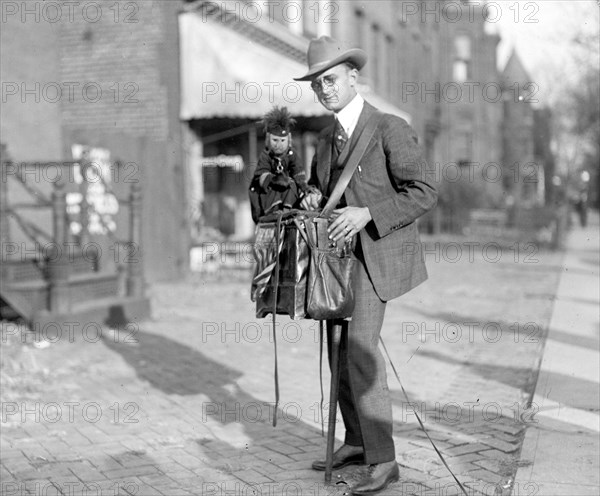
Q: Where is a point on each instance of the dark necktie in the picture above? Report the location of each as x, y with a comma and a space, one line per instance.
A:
339, 137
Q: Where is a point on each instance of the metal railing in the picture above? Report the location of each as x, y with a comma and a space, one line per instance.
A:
59, 268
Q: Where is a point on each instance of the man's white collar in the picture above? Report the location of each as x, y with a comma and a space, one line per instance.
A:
349, 115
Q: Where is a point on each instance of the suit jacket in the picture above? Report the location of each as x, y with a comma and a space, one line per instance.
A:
394, 181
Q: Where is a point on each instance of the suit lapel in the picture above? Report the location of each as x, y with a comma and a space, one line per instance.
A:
324, 157
363, 118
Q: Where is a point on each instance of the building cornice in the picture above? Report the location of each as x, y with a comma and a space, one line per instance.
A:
257, 26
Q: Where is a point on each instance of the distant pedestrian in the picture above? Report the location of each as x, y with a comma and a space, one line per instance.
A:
581, 206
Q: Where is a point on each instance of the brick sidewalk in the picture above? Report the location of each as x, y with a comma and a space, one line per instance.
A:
182, 404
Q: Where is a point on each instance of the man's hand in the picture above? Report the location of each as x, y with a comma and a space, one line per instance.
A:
311, 201
348, 221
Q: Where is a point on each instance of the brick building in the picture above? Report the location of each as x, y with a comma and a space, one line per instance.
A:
102, 76
523, 175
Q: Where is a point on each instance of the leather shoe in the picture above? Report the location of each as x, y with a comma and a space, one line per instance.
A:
378, 478
340, 461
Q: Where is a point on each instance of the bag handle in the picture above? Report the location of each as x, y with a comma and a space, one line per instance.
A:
309, 234
356, 155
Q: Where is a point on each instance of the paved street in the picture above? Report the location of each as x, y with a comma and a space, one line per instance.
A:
182, 404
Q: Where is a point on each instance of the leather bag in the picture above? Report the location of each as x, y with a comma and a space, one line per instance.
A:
300, 268
330, 291
282, 257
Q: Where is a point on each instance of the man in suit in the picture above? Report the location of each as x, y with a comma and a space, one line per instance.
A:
388, 191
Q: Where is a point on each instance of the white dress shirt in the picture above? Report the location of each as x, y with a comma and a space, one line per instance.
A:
349, 115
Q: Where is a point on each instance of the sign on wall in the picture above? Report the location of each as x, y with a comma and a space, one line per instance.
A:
95, 168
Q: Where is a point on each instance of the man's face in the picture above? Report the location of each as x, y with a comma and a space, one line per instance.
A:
335, 88
279, 144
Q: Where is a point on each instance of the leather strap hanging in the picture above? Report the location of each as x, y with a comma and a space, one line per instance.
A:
420, 421
275, 294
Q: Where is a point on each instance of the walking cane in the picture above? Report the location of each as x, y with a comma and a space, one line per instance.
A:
336, 336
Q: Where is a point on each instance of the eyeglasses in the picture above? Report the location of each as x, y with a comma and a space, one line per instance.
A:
325, 83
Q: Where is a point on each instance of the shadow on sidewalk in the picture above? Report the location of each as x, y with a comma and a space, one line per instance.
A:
284, 454
229, 431
523, 378
177, 369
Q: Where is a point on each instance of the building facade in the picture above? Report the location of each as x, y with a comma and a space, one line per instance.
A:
103, 77
523, 172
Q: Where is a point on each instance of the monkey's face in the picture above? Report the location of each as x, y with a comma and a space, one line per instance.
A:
278, 144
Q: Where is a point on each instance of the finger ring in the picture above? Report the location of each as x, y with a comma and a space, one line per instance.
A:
348, 229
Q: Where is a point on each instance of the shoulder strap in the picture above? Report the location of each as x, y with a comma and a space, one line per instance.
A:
356, 155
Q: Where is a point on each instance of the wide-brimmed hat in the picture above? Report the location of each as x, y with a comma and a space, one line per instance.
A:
325, 53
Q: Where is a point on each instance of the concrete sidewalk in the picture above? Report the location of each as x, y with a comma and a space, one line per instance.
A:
560, 454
